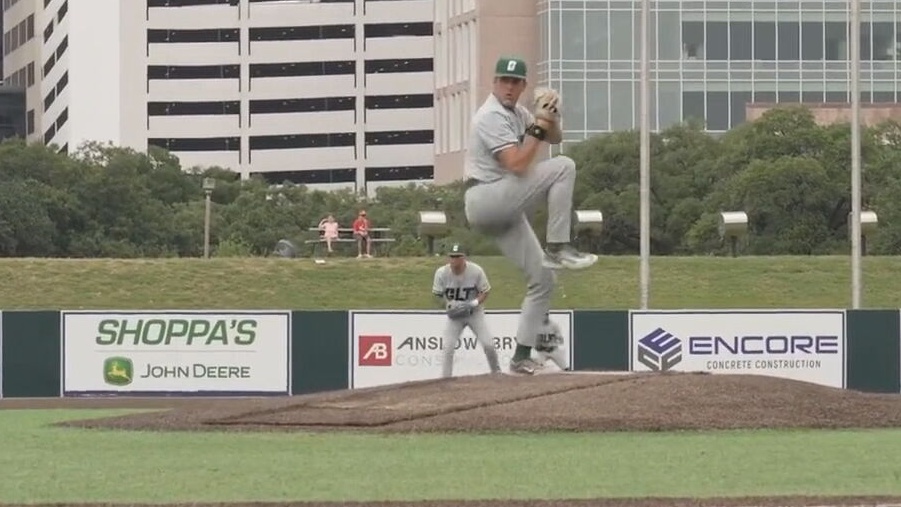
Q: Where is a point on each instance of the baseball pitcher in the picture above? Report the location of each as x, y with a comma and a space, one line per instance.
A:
503, 181
461, 287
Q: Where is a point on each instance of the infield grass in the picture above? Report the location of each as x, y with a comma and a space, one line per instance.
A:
46, 464
395, 283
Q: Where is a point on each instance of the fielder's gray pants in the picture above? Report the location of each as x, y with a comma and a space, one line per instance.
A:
499, 208
452, 332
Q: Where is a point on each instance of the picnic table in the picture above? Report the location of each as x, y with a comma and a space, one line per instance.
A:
378, 235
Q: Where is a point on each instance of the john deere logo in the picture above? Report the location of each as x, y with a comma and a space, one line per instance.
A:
118, 371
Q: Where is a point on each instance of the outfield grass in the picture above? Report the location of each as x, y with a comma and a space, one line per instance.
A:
273, 283
45, 464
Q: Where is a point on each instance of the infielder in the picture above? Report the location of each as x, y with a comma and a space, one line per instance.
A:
461, 287
549, 344
502, 183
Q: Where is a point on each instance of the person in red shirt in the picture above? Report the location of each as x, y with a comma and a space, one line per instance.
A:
361, 233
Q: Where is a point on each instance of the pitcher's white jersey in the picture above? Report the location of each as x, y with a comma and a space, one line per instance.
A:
463, 287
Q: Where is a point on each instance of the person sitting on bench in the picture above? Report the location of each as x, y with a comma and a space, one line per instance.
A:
361, 234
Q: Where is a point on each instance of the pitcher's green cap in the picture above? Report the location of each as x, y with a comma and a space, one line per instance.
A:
510, 66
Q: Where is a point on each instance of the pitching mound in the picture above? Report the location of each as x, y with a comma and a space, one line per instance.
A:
569, 402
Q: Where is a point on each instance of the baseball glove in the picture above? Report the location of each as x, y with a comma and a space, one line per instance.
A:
547, 105
459, 309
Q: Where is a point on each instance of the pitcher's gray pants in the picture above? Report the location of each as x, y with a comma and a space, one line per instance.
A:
499, 209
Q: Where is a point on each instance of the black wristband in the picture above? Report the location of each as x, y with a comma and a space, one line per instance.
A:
536, 131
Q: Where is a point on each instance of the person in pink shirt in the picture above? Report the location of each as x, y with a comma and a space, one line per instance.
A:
329, 226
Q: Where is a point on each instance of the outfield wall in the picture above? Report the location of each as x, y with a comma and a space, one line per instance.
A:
278, 352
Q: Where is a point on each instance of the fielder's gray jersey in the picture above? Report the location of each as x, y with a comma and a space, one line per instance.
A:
463, 287
493, 128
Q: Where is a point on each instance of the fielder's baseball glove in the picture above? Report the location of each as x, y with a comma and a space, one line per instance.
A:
459, 309
547, 105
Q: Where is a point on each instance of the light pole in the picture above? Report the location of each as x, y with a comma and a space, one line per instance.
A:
644, 172
855, 155
208, 185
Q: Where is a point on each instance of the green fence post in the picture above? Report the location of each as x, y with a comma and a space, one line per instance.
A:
874, 350
601, 340
31, 354
319, 351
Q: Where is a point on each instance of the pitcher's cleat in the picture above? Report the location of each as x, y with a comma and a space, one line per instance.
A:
568, 257
523, 367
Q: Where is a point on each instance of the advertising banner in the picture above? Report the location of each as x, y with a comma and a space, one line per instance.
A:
185, 352
805, 345
391, 347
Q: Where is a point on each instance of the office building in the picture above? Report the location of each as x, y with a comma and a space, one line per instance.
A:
710, 60
713, 61
330, 93
469, 37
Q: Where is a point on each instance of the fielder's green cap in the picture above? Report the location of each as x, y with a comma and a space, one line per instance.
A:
510, 66
456, 250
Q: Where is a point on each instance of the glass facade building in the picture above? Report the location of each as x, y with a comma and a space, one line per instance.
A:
708, 59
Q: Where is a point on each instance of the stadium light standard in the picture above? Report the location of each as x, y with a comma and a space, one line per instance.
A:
644, 170
855, 155
208, 185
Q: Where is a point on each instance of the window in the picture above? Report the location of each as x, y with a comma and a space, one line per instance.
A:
188, 36
62, 118
789, 40
397, 29
403, 173
48, 65
764, 40
400, 101
275, 106
63, 81
29, 27
29, 122
302, 69
316, 32
811, 41
621, 35
693, 40
48, 31
740, 47
197, 143
573, 34
717, 40
836, 40
395, 137
718, 110
393, 65
188, 3
193, 108
63, 9
311, 177
49, 99
285, 142
621, 108
63, 44
49, 133
693, 106
738, 102
193, 71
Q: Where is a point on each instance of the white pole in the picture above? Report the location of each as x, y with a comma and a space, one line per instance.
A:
855, 154
644, 161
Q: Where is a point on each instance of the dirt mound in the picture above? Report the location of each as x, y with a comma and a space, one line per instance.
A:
566, 401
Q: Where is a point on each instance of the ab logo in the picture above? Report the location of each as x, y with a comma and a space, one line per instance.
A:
374, 350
